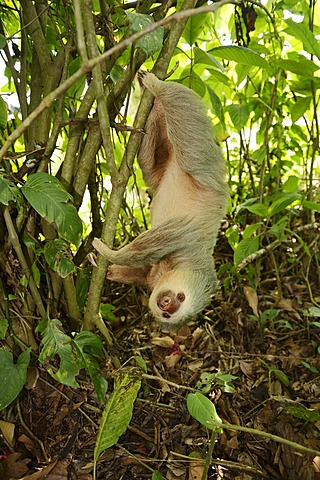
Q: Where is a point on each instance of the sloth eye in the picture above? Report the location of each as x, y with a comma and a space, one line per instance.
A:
181, 297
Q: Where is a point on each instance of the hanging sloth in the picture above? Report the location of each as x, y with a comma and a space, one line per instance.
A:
185, 168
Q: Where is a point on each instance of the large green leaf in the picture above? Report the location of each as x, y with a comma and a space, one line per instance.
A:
241, 55
90, 346
239, 115
203, 410
57, 255
300, 107
12, 375
8, 191
151, 42
194, 28
75, 353
282, 201
118, 411
302, 67
216, 104
56, 342
50, 199
246, 247
304, 34
200, 56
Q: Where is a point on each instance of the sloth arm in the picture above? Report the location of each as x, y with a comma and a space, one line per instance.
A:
173, 236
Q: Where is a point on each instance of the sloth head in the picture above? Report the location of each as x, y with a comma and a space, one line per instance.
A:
179, 296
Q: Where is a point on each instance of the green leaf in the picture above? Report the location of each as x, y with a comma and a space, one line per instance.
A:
4, 325
241, 55
118, 411
239, 115
12, 375
291, 185
156, 475
314, 311
3, 41
3, 113
36, 274
303, 67
258, 209
246, 247
216, 76
304, 34
50, 199
57, 254
76, 90
200, 56
282, 201
216, 105
151, 42
203, 410
311, 205
8, 191
299, 108
90, 346
56, 342
194, 28
251, 229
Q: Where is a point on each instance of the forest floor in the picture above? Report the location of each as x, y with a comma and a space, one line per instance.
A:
260, 354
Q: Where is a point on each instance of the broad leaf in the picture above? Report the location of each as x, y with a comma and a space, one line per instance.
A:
303, 67
151, 42
304, 34
200, 56
55, 342
203, 410
8, 191
241, 55
90, 346
246, 247
118, 411
194, 28
49, 198
12, 375
216, 105
239, 115
311, 205
282, 201
57, 255
299, 108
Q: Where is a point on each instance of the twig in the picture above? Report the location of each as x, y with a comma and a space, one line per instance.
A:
270, 436
87, 67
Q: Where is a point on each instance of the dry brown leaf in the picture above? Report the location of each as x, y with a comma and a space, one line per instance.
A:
252, 298
196, 470
32, 377
165, 342
7, 429
172, 360
54, 471
247, 368
13, 468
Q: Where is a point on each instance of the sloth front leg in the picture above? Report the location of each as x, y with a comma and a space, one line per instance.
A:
128, 275
153, 245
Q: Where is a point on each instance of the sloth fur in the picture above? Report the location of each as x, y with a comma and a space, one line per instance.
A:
185, 168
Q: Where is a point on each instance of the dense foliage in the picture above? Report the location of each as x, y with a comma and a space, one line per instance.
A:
71, 119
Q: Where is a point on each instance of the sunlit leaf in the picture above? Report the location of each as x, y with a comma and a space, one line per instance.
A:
118, 411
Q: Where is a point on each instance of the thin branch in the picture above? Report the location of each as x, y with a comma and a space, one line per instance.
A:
50, 98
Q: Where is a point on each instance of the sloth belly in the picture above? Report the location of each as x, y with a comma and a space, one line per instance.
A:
176, 196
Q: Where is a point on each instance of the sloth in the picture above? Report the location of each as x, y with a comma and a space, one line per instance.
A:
186, 171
